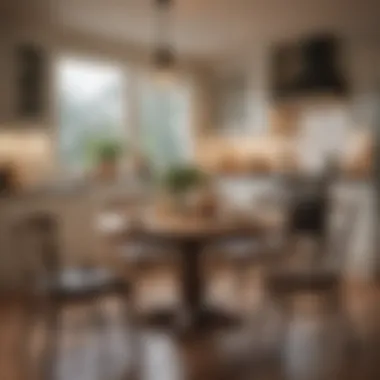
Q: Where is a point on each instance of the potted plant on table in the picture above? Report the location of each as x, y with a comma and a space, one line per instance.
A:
182, 184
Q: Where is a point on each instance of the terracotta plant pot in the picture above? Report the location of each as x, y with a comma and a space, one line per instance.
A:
107, 170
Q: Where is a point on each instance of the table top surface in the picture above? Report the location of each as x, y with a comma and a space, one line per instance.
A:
180, 228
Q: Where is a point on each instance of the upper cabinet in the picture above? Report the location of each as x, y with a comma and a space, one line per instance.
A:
6, 80
310, 66
30, 64
24, 82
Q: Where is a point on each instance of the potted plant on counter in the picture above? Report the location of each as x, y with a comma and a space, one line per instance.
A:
106, 153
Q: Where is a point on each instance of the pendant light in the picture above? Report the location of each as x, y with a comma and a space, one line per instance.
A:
164, 57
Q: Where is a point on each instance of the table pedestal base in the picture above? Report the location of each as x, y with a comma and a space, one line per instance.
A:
205, 320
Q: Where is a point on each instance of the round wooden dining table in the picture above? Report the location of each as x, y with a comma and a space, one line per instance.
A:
190, 237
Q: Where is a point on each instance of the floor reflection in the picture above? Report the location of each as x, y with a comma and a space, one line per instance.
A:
308, 341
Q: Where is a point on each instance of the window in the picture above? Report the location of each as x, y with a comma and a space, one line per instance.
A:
165, 132
93, 106
90, 97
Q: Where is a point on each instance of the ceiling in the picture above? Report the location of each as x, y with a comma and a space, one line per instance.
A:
204, 29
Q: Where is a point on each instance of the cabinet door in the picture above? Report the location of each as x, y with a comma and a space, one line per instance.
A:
31, 69
24, 82
7, 89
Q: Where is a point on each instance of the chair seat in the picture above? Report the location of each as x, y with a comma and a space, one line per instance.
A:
238, 248
82, 283
143, 251
293, 281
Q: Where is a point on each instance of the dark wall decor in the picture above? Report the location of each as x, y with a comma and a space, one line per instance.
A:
309, 66
31, 80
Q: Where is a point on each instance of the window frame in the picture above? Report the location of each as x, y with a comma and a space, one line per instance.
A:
127, 87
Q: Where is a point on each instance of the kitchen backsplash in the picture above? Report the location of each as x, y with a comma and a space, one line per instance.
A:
30, 154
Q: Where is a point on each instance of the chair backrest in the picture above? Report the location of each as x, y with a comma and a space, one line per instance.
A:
341, 233
37, 235
309, 204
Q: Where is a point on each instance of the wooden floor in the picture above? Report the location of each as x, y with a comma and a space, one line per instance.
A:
312, 343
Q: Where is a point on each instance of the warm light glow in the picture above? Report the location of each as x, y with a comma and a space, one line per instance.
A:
164, 77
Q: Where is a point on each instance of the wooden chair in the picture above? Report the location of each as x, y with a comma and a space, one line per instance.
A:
243, 254
50, 286
265, 353
136, 257
143, 258
325, 276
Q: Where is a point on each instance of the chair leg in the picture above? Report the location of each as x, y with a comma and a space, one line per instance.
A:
101, 329
132, 335
335, 301
51, 348
27, 371
242, 276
